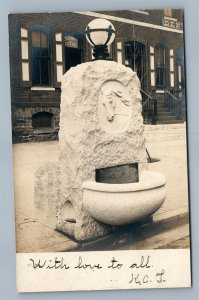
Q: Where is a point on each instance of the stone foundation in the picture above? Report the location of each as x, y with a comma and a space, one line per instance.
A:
23, 131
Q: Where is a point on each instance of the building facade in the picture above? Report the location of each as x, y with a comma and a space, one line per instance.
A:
45, 46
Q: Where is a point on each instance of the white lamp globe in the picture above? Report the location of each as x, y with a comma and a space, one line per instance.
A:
100, 32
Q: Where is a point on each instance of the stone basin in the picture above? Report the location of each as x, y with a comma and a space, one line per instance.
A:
119, 204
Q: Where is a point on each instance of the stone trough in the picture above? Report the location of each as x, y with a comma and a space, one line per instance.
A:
119, 204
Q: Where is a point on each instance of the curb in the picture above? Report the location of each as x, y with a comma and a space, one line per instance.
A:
124, 236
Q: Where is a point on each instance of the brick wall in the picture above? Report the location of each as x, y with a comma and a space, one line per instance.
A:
26, 101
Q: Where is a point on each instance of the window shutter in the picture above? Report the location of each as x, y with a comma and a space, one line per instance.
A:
59, 58
119, 52
25, 68
152, 66
172, 70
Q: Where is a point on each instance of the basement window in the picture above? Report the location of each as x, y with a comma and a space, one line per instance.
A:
42, 122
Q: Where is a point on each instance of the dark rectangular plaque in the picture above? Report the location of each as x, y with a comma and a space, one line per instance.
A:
118, 174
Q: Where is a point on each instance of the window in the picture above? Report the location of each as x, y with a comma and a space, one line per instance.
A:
161, 72
40, 58
42, 121
170, 13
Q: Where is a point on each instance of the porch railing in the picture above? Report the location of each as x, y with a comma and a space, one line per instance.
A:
174, 103
149, 109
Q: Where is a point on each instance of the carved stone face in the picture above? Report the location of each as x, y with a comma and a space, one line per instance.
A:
114, 106
109, 102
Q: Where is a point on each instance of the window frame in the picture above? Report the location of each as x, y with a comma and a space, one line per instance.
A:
161, 66
48, 30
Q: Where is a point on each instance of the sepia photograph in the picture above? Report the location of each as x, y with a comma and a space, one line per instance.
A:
99, 131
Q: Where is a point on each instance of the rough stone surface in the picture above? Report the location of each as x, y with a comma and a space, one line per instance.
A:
100, 126
47, 187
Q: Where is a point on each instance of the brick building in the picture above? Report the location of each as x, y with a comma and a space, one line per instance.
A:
44, 46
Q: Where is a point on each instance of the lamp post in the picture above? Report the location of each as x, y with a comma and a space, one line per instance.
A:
100, 33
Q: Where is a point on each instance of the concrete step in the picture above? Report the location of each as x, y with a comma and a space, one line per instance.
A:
165, 138
159, 106
162, 109
168, 116
164, 132
165, 113
165, 116
165, 127
169, 121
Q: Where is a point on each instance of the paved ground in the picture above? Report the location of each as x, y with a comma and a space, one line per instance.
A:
35, 229
173, 164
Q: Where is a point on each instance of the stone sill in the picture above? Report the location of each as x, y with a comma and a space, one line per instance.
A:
44, 130
42, 88
160, 91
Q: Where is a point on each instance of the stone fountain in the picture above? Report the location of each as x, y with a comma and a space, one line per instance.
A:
101, 178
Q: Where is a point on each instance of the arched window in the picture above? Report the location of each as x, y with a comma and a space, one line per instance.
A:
40, 58
160, 63
42, 121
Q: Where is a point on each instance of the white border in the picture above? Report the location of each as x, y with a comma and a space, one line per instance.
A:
7, 232
103, 270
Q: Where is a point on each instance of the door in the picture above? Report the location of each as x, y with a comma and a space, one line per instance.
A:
135, 54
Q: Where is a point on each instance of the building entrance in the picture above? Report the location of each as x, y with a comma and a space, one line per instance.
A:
72, 57
72, 52
135, 55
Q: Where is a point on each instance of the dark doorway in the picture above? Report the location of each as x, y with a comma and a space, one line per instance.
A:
72, 50
135, 55
73, 57
160, 63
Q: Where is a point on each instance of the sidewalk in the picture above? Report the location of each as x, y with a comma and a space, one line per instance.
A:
35, 230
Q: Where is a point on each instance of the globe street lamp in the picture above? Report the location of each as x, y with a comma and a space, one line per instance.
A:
100, 33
